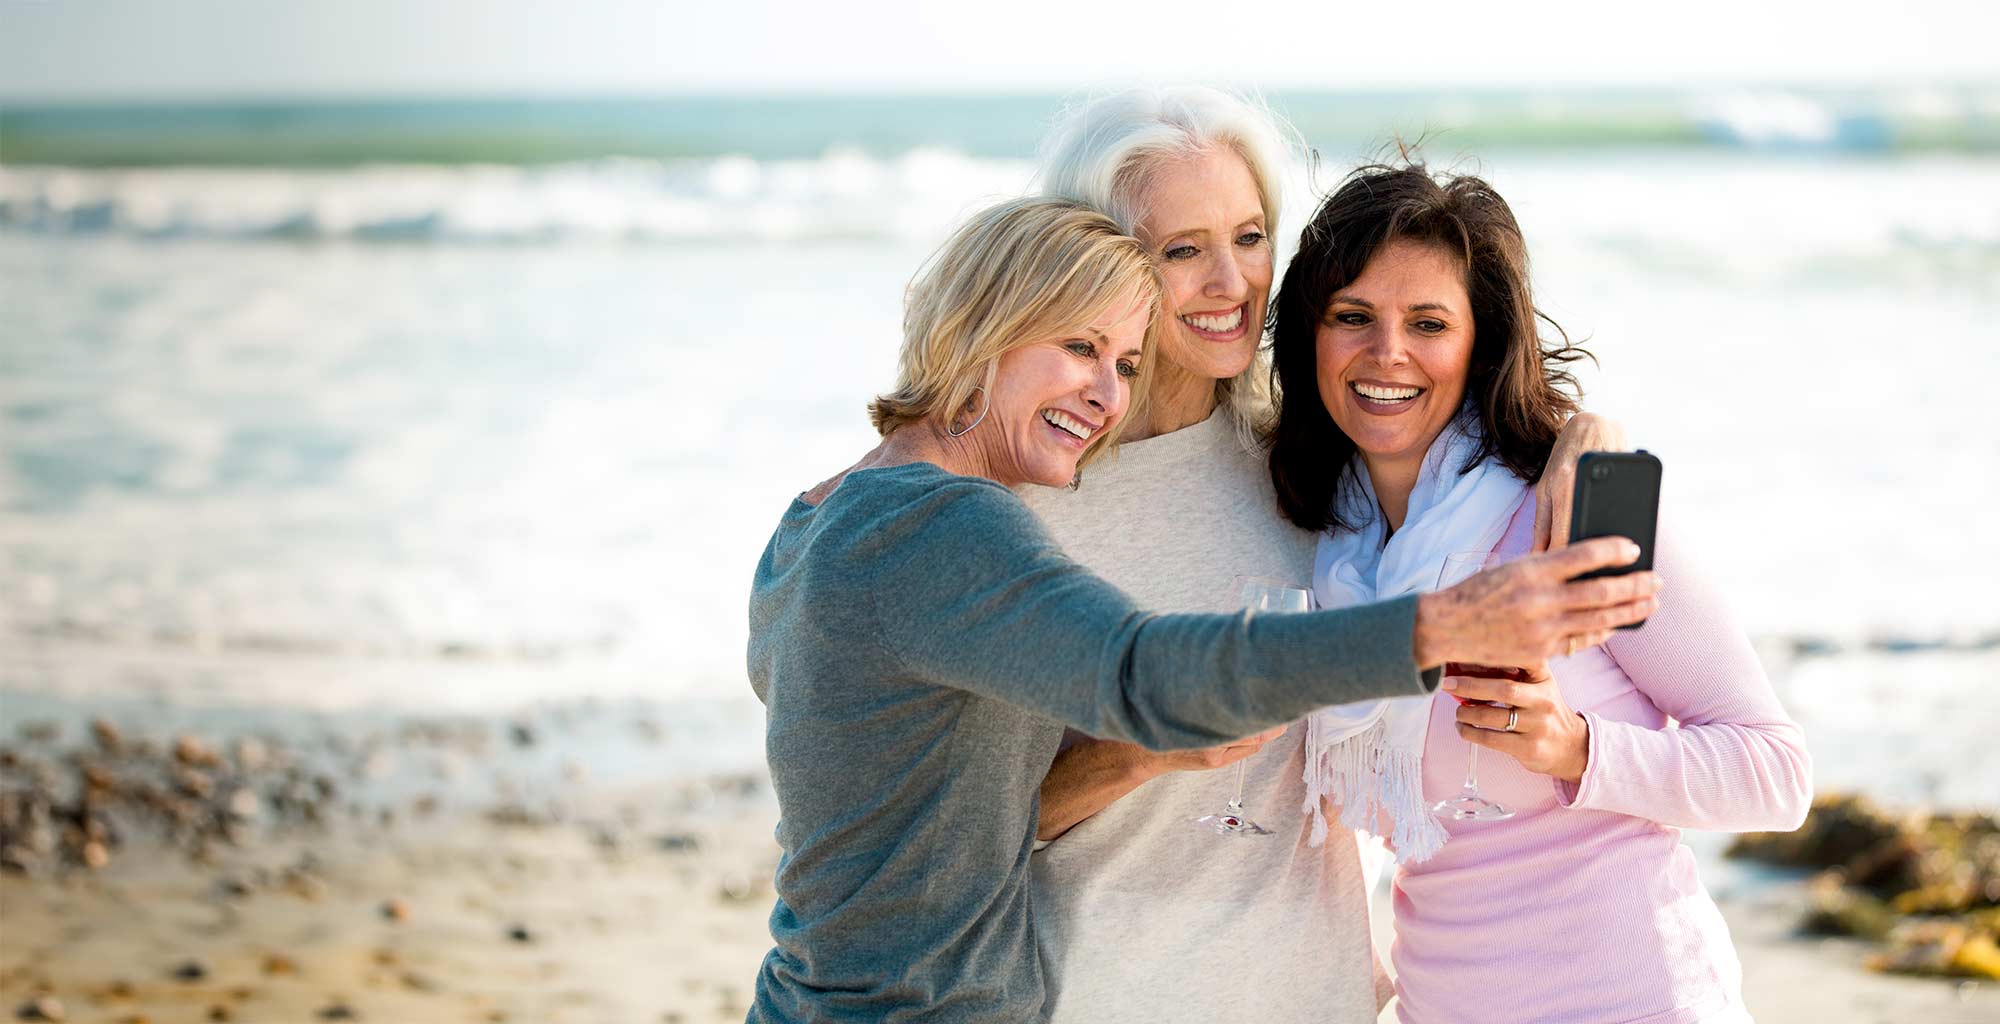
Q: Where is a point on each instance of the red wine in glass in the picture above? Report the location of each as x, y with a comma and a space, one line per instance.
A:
1463, 670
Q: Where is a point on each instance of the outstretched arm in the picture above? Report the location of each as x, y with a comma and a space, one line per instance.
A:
969, 591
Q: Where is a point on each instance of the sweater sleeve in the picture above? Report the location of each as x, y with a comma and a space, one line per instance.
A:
969, 591
1735, 761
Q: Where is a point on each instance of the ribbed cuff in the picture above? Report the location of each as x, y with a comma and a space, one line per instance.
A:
1580, 794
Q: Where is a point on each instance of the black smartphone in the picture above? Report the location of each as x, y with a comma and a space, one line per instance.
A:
1617, 495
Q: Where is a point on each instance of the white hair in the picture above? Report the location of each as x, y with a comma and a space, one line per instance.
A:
1104, 152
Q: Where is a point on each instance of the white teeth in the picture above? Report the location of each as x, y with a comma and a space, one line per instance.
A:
1062, 422
1386, 394
1219, 324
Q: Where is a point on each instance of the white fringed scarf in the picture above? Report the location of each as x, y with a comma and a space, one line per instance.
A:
1368, 758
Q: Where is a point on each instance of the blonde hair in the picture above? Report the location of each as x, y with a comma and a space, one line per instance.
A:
1022, 271
1105, 152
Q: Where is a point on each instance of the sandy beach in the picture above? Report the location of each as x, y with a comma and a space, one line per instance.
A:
345, 886
472, 922
379, 896
1788, 979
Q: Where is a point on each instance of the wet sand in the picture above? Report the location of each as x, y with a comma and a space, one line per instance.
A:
476, 920
443, 869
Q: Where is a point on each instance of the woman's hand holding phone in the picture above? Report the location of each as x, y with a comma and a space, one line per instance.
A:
1618, 495
1534, 608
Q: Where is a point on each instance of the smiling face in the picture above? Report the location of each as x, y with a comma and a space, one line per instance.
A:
1053, 399
1393, 351
1204, 223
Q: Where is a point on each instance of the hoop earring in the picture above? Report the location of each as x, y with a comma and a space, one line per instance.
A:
983, 409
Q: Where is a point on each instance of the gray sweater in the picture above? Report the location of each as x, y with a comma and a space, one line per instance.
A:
919, 642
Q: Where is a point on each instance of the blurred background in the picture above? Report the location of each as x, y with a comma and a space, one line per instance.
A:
409, 388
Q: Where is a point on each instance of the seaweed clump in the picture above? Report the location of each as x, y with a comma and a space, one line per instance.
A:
1925, 886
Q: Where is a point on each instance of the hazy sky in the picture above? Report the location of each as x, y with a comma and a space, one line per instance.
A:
239, 48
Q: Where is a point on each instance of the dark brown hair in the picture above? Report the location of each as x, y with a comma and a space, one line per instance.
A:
1516, 382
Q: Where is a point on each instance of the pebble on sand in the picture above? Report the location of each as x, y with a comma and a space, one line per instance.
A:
396, 910
190, 971
191, 751
47, 1008
243, 803
520, 933
737, 887
108, 738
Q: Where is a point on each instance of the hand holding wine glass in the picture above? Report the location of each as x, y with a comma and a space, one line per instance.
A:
1547, 736
1206, 759
1469, 804
1258, 595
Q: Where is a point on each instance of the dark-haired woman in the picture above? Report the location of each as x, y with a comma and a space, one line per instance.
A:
1420, 399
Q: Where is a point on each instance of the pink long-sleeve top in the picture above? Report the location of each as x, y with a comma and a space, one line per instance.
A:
1585, 906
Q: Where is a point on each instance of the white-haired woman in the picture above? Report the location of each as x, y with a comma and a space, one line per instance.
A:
1142, 917
919, 642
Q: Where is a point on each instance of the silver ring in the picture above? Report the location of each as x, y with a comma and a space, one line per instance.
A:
1513, 718
1572, 647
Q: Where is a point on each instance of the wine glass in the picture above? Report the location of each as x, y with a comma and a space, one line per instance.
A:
1257, 594
1469, 804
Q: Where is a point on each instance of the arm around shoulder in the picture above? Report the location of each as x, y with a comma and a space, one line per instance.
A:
1087, 777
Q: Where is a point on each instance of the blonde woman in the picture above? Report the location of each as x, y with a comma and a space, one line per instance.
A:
1142, 917
919, 642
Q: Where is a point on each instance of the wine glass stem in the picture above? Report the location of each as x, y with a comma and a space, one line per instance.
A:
1237, 801
1472, 768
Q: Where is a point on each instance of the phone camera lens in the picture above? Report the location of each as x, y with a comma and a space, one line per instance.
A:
1600, 472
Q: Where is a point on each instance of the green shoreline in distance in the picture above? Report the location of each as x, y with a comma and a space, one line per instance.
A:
495, 131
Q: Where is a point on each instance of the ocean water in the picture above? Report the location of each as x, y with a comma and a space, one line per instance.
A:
375, 426
1955, 117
